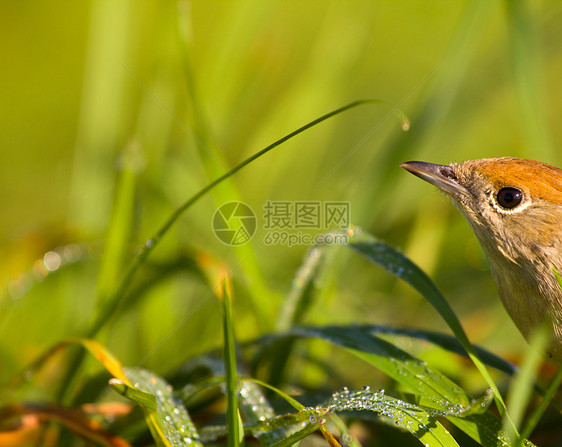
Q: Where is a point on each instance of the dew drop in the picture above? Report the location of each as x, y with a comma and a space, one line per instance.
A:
244, 392
72, 253
52, 261
39, 270
298, 283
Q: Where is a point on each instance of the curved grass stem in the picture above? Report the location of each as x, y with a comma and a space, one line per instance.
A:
109, 310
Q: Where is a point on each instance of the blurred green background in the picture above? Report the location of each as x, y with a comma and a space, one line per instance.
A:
113, 113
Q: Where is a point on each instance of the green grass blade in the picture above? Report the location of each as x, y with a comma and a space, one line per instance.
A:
395, 412
96, 349
187, 393
103, 112
214, 165
303, 292
447, 342
170, 424
235, 428
295, 403
414, 374
400, 266
142, 398
295, 309
527, 72
522, 387
537, 413
119, 228
397, 363
115, 246
253, 405
553, 386
299, 435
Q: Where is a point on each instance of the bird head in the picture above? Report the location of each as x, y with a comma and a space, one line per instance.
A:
513, 205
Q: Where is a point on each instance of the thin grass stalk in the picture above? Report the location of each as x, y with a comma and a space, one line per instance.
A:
116, 299
235, 428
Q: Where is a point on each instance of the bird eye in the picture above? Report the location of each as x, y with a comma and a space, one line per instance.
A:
509, 198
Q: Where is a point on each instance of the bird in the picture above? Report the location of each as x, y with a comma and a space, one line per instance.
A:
514, 207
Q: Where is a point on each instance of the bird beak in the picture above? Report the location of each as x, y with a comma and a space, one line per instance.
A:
441, 176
